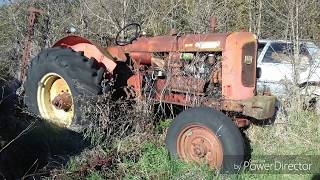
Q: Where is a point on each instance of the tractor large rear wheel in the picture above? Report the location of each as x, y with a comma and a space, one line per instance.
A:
203, 135
58, 80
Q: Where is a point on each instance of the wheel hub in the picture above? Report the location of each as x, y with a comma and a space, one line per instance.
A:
62, 101
199, 144
55, 101
200, 151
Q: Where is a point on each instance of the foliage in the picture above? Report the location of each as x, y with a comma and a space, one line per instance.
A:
155, 163
100, 20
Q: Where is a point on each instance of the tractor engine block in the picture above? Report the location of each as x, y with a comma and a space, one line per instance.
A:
193, 73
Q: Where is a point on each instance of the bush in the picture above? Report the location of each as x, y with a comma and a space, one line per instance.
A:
109, 121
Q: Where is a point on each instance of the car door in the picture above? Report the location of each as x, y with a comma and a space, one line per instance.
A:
276, 67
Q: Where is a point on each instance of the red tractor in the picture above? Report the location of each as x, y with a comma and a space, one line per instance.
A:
213, 74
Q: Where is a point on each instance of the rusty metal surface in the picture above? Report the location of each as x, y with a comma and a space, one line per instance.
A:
33, 14
173, 99
166, 96
232, 86
135, 82
117, 52
142, 57
260, 107
179, 43
153, 44
62, 101
199, 144
73, 40
181, 84
235, 74
241, 122
202, 42
186, 84
90, 50
174, 67
216, 76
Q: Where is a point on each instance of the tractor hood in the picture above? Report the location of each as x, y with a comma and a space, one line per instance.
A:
183, 43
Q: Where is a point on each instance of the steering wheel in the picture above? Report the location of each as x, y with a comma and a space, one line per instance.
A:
130, 33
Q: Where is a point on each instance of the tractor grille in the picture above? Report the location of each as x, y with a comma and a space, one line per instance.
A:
249, 64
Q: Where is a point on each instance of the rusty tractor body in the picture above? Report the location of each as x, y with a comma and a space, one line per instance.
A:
232, 54
213, 74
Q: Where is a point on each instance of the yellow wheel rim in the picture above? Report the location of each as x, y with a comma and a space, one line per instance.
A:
51, 87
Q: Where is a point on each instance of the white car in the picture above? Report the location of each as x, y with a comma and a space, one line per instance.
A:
275, 58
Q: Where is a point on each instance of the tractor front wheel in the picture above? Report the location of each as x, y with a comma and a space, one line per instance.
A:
203, 135
58, 80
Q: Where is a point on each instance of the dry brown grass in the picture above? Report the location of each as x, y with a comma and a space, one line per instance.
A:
108, 121
295, 130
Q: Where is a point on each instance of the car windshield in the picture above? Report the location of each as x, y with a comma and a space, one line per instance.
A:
279, 52
260, 47
313, 50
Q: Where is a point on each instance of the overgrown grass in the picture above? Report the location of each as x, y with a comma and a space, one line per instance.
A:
139, 158
298, 133
295, 134
155, 163
141, 154
95, 176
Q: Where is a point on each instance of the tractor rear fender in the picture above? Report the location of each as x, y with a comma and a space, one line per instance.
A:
90, 49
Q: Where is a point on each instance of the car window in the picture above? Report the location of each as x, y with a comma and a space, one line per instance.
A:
260, 47
313, 51
312, 48
303, 50
278, 53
